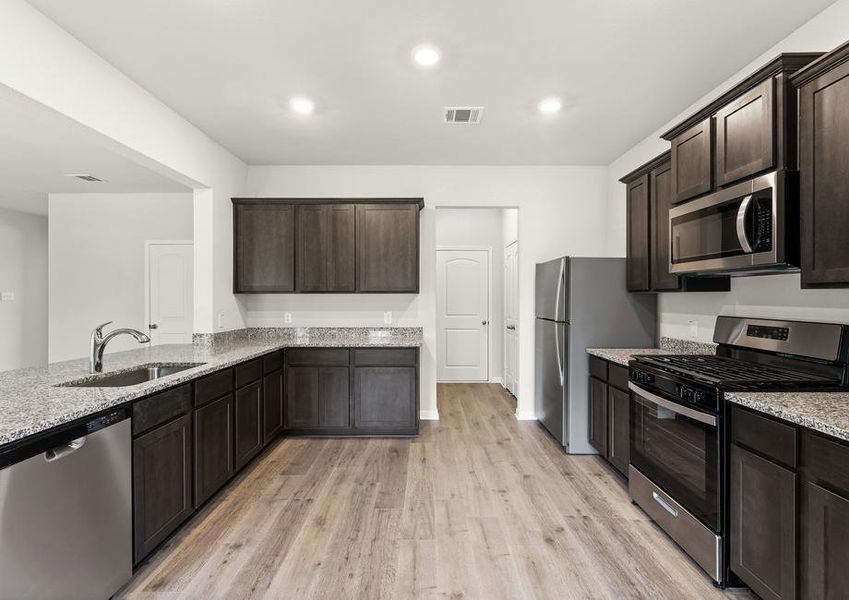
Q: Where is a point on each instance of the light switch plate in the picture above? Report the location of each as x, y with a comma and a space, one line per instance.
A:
387, 318
221, 320
694, 328
7, 296
287, 317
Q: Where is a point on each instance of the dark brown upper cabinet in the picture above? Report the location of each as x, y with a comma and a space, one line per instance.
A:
637, 233
749, 129
824, 169
387, 248
309, 245
648, 197
745, 132
692, 161
263, 247
326, 248
660, 200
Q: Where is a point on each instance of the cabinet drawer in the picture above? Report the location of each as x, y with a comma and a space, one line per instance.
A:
617, 376
317, 356
826, 461
598, 368
768, 437
213, 386
388, 357
248, 372
272, 362
161, 408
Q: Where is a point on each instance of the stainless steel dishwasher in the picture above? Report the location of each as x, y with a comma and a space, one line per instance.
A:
66, 512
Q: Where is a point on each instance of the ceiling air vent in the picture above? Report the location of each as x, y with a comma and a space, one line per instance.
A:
463, 114
84, 177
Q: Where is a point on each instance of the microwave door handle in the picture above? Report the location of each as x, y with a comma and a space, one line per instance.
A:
741, 224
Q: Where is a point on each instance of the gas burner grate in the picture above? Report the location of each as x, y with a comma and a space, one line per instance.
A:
720, 370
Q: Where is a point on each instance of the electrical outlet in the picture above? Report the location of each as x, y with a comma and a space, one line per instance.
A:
287, 317
7, 296
387, 317
694, 328
221, 320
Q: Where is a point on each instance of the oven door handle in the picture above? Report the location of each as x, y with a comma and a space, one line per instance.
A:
674, 406
741, 224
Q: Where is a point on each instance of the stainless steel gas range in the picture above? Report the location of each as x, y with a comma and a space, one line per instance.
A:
679, 441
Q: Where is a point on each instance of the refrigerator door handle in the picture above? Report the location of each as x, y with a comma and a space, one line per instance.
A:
557, 352
559, 291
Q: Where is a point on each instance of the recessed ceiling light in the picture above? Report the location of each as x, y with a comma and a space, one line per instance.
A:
301, 105
426, 56
549, 106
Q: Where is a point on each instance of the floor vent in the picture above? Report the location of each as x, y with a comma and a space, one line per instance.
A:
470, 115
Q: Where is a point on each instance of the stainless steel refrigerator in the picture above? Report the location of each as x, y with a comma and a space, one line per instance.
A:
581, 303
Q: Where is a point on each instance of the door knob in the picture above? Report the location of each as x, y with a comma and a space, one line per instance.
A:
484, 322
153, 326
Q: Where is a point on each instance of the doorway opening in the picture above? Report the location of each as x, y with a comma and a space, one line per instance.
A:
477, 296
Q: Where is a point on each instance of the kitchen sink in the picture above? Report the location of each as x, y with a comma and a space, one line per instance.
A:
132, 376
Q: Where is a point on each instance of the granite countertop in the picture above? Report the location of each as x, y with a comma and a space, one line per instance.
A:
621, 356
31, 402
826, 412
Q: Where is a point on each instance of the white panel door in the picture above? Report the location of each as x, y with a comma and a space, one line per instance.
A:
462, 292
511, 317
170, 292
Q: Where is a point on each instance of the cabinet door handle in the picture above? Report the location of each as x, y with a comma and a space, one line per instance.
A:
664, 504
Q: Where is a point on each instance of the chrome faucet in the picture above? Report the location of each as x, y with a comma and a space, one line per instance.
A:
98, 343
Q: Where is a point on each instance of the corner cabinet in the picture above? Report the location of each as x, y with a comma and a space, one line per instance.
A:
824, 169
649, 195
292, 245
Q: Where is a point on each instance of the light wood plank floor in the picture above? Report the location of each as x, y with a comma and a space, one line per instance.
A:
478, 506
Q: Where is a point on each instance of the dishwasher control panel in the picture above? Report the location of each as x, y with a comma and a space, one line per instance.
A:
106, 420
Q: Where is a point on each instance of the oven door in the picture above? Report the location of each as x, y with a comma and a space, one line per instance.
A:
729, 230
678, 448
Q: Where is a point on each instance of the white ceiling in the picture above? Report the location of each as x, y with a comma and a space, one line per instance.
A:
623, 68
38, 146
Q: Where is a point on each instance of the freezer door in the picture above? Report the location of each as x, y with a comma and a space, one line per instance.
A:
552, 290
551, 375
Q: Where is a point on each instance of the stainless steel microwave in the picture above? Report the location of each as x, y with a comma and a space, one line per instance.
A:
748, 227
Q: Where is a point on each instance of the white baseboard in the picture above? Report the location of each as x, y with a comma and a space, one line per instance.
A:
497, 380
429, 415
526, 416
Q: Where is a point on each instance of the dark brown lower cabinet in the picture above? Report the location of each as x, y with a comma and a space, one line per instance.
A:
162, 483
598, 415
247, 423
619, 438
317, 398
213, 443
763, 524
385, 399
827, 544
272, 406
825, 517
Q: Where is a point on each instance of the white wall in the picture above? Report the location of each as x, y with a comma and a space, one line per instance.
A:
128, 119
23, 271
562, 211
481, 228
97, 262
769, 296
